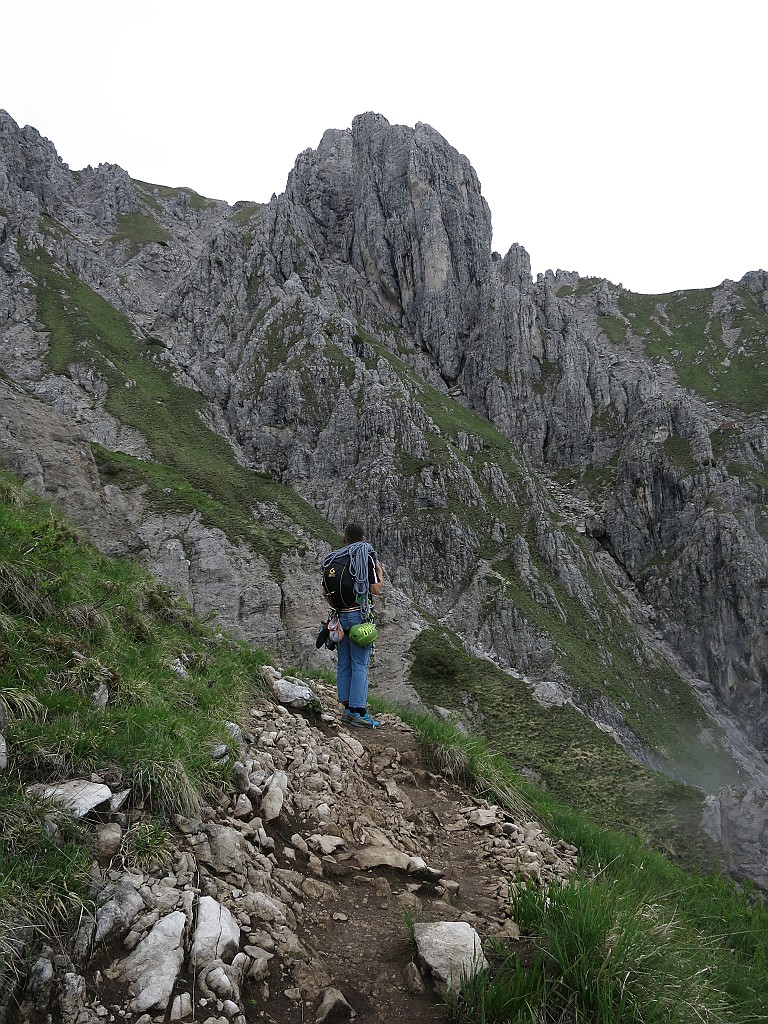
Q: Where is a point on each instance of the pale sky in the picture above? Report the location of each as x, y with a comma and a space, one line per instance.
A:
620, 139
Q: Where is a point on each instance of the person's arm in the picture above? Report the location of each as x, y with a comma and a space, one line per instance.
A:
375, 588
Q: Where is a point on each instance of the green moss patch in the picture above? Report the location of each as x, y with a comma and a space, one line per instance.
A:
679, 452
139, 229
615, 329
150, 192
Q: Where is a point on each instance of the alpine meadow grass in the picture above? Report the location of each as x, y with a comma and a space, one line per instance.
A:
103, 672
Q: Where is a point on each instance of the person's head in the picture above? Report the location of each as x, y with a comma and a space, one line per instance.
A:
353, 532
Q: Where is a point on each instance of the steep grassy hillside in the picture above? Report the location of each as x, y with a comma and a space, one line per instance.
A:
563, 751
713, 338
102, 670
718, 351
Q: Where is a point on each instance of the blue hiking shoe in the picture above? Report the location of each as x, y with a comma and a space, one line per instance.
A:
362, 721
347, 715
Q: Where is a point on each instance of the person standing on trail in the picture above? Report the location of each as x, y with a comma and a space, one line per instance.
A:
351, 575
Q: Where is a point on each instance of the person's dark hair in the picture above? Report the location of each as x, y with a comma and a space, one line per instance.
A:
354, 532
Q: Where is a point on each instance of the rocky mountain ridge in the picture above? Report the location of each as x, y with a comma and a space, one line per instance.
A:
566, 476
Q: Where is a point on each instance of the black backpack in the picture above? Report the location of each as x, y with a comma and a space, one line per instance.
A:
338, 582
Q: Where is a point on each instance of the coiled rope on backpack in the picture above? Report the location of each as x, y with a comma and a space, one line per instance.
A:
359, 553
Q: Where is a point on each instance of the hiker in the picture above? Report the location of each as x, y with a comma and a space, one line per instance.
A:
350, 576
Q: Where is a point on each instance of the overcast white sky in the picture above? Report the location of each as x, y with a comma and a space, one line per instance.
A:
621, 139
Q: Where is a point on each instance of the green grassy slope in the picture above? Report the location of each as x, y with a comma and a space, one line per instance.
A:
722, 356
631, 937
576, 763
72, 621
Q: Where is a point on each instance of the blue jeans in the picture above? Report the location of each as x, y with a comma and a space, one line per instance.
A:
352, 668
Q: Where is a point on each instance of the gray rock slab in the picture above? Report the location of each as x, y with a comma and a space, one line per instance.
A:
450, 951
326, 844
217, 934
72, 997
119, 799
272, 801
182, 1006
116, 916
78, 795
265, 908
381, 857
108, 838
333, 1008
737, 818
226, 850
292, 692
152, 968
483, 818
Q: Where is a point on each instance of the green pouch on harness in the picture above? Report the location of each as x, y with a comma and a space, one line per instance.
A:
363, 634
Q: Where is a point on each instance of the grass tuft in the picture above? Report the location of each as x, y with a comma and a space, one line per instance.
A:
18, 703
605, 953
464, 759
168, 786
146, 846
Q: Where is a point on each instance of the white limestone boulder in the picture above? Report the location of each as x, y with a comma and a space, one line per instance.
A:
449, 951
152, 968
217, 934
292, 692
77, 795
274, 797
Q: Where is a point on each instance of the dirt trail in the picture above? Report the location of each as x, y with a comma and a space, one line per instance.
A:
359, 926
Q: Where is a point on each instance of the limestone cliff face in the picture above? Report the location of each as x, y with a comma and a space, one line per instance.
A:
406, 211
525, 458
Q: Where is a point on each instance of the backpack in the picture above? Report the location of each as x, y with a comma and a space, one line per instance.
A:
338, 581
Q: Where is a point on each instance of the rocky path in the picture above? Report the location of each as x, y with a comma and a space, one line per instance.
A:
359, 928
296, 898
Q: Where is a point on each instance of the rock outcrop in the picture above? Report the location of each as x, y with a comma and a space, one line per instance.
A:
737, 819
